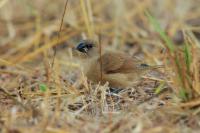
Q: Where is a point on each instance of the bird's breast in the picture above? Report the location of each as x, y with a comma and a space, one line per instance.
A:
92, 70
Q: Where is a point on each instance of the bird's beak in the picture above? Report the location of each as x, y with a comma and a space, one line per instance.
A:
81, 48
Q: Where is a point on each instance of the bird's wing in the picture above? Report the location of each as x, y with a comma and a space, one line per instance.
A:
117, 63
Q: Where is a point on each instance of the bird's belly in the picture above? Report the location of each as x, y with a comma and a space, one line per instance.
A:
117, 80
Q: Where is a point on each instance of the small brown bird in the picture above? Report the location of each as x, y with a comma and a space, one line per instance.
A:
118, 69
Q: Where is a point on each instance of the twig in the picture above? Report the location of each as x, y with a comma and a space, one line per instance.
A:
61, 23
11, 97
154, 96
100, 55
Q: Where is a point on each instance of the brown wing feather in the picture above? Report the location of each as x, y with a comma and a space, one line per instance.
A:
118, 63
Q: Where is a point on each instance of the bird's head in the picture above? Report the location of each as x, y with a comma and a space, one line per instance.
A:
88, 47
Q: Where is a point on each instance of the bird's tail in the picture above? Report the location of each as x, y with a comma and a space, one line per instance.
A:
149, 67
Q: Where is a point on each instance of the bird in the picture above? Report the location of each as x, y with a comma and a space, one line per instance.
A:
117, 68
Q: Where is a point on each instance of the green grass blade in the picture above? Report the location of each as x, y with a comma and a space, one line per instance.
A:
183, 94
159, 88
188, 58
158, 28
43, 87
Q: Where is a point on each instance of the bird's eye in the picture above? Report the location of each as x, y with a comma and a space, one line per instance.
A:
89, 46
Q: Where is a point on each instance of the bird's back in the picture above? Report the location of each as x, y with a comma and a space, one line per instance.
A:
113, 62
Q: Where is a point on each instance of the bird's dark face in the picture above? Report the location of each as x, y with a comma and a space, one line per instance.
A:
85, 46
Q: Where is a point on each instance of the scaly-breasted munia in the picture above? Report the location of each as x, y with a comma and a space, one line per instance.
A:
118, 69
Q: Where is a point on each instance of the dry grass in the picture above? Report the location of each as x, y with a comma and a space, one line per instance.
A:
36, 97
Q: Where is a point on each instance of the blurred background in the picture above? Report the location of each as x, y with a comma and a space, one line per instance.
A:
26, 26
31, 90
